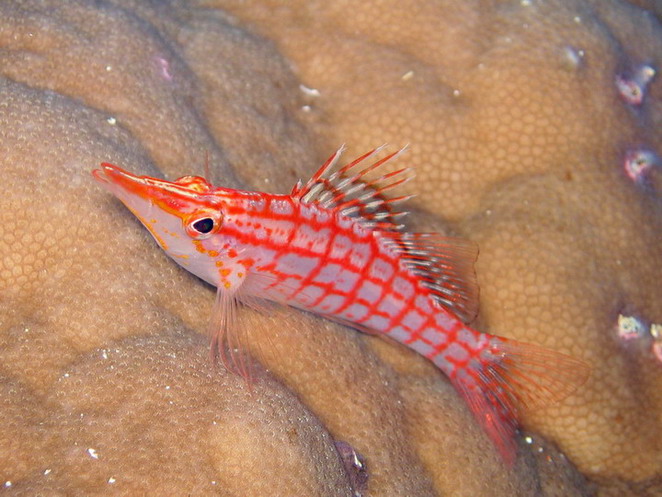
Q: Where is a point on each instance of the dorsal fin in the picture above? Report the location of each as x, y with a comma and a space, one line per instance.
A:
354, 194
445, 264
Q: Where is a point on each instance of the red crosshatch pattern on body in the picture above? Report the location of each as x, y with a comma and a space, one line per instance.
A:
335, 247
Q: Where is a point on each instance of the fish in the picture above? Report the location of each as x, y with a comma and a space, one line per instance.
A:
335, 246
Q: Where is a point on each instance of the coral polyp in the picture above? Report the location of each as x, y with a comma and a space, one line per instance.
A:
656, 347
632, 87
638, 163
630, 327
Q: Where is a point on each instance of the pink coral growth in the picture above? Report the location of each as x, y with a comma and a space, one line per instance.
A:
630, 327
656, 348
164, 66
355, 466
633, 87
638, 162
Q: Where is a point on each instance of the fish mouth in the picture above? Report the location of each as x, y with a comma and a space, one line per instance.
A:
135, 192
116, 179
144, 195
100, 175
129, 187
106, 171
109, 174
173, 197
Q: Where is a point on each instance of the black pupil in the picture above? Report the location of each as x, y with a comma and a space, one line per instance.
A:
204, 225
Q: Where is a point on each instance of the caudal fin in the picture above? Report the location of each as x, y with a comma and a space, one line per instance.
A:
512, 375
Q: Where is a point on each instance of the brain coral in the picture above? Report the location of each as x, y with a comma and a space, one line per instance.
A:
521, 138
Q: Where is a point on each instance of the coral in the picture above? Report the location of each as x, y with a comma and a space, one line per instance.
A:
520, 134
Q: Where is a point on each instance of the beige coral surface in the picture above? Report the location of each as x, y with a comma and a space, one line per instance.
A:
518, 134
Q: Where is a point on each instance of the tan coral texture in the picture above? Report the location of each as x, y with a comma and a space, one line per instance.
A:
519, 135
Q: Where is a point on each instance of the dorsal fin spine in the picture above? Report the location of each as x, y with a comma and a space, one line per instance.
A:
329, 164
355, 194
397, 200
311, 193
374, 193
356, 161
348, 211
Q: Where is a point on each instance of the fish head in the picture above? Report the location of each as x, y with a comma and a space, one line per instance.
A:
183, 215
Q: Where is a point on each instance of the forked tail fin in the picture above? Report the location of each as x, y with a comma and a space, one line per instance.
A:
509, 375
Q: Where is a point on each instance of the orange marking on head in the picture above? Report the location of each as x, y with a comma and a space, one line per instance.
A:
241, 275
147, 225
160, 240
219, 263
225, 272
199, 247
232, 253
183, 256
212, 253
227, 284
195, 183
247, 263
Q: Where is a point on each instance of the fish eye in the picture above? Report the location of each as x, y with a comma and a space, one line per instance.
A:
204, 225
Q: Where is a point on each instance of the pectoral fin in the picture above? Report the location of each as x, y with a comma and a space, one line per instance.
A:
227, 335
227, 329
230, 325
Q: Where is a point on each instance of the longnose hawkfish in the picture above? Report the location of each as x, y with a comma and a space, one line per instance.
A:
334, 247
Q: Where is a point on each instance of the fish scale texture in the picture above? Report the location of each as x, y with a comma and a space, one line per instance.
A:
518, 136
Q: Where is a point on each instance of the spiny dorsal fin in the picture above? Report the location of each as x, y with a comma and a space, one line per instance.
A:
355, 194
446, 265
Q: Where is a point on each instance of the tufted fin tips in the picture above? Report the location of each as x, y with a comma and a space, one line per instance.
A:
446, 266
358, 192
